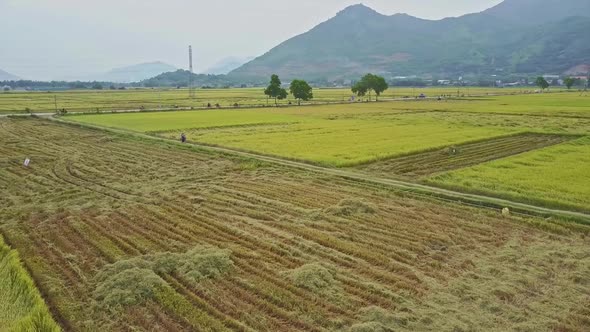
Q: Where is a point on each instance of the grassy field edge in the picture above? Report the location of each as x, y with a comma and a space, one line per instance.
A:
510, 197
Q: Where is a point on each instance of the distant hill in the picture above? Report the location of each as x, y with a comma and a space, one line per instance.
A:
136, 73
5, 76
516, 36
226, 65
180, 78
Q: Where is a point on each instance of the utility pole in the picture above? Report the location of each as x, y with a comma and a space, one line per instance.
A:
191, 90
55, 101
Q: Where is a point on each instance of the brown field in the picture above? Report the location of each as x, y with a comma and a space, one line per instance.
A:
109, 227
460, 156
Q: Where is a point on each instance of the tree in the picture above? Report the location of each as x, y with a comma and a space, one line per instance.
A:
370, 83
379, 85
97, 86
360, 88
569, 82
282, 94
274, 89
301, 90
542, 83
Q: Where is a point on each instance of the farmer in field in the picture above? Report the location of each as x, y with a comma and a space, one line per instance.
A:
183, 138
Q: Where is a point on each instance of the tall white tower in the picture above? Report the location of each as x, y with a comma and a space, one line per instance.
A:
191, 88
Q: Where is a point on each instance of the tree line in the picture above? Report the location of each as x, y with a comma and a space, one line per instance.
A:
302, 91
542, 83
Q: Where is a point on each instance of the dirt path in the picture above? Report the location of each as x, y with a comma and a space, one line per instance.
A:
414, 188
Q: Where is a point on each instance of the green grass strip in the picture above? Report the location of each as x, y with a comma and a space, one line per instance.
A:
21, 305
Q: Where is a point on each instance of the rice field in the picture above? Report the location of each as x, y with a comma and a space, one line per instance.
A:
554, 176
107, 100
21, 305
186, 120
401, 139
122, 233
553, 104
420, 165
348, 135
166, 98
343, 142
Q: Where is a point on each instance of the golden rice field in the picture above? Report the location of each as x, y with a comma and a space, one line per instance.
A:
128, 234
345, 135
557, 176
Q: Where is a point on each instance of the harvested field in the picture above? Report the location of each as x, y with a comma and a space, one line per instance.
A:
124, 234
461, 156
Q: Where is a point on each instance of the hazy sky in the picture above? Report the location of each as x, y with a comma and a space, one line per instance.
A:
67, 39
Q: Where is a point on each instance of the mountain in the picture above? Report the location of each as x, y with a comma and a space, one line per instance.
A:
5, 76
535, 12
558, 47
516, 36
226, 65
136, 73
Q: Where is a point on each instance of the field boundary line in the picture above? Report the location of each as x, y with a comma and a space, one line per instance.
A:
477, 200
537, 115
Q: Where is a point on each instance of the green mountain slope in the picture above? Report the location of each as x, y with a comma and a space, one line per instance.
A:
554, 48
360, 40
535, 12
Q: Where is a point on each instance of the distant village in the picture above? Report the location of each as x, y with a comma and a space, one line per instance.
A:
581, 81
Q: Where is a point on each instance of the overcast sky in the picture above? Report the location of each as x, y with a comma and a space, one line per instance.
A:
67, 39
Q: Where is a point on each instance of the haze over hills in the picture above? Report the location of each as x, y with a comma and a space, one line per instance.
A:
226, 65
180, 78
516, 36
135, 73
6, 76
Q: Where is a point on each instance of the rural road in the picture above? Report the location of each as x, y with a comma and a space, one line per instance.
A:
415, 188
26, 114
